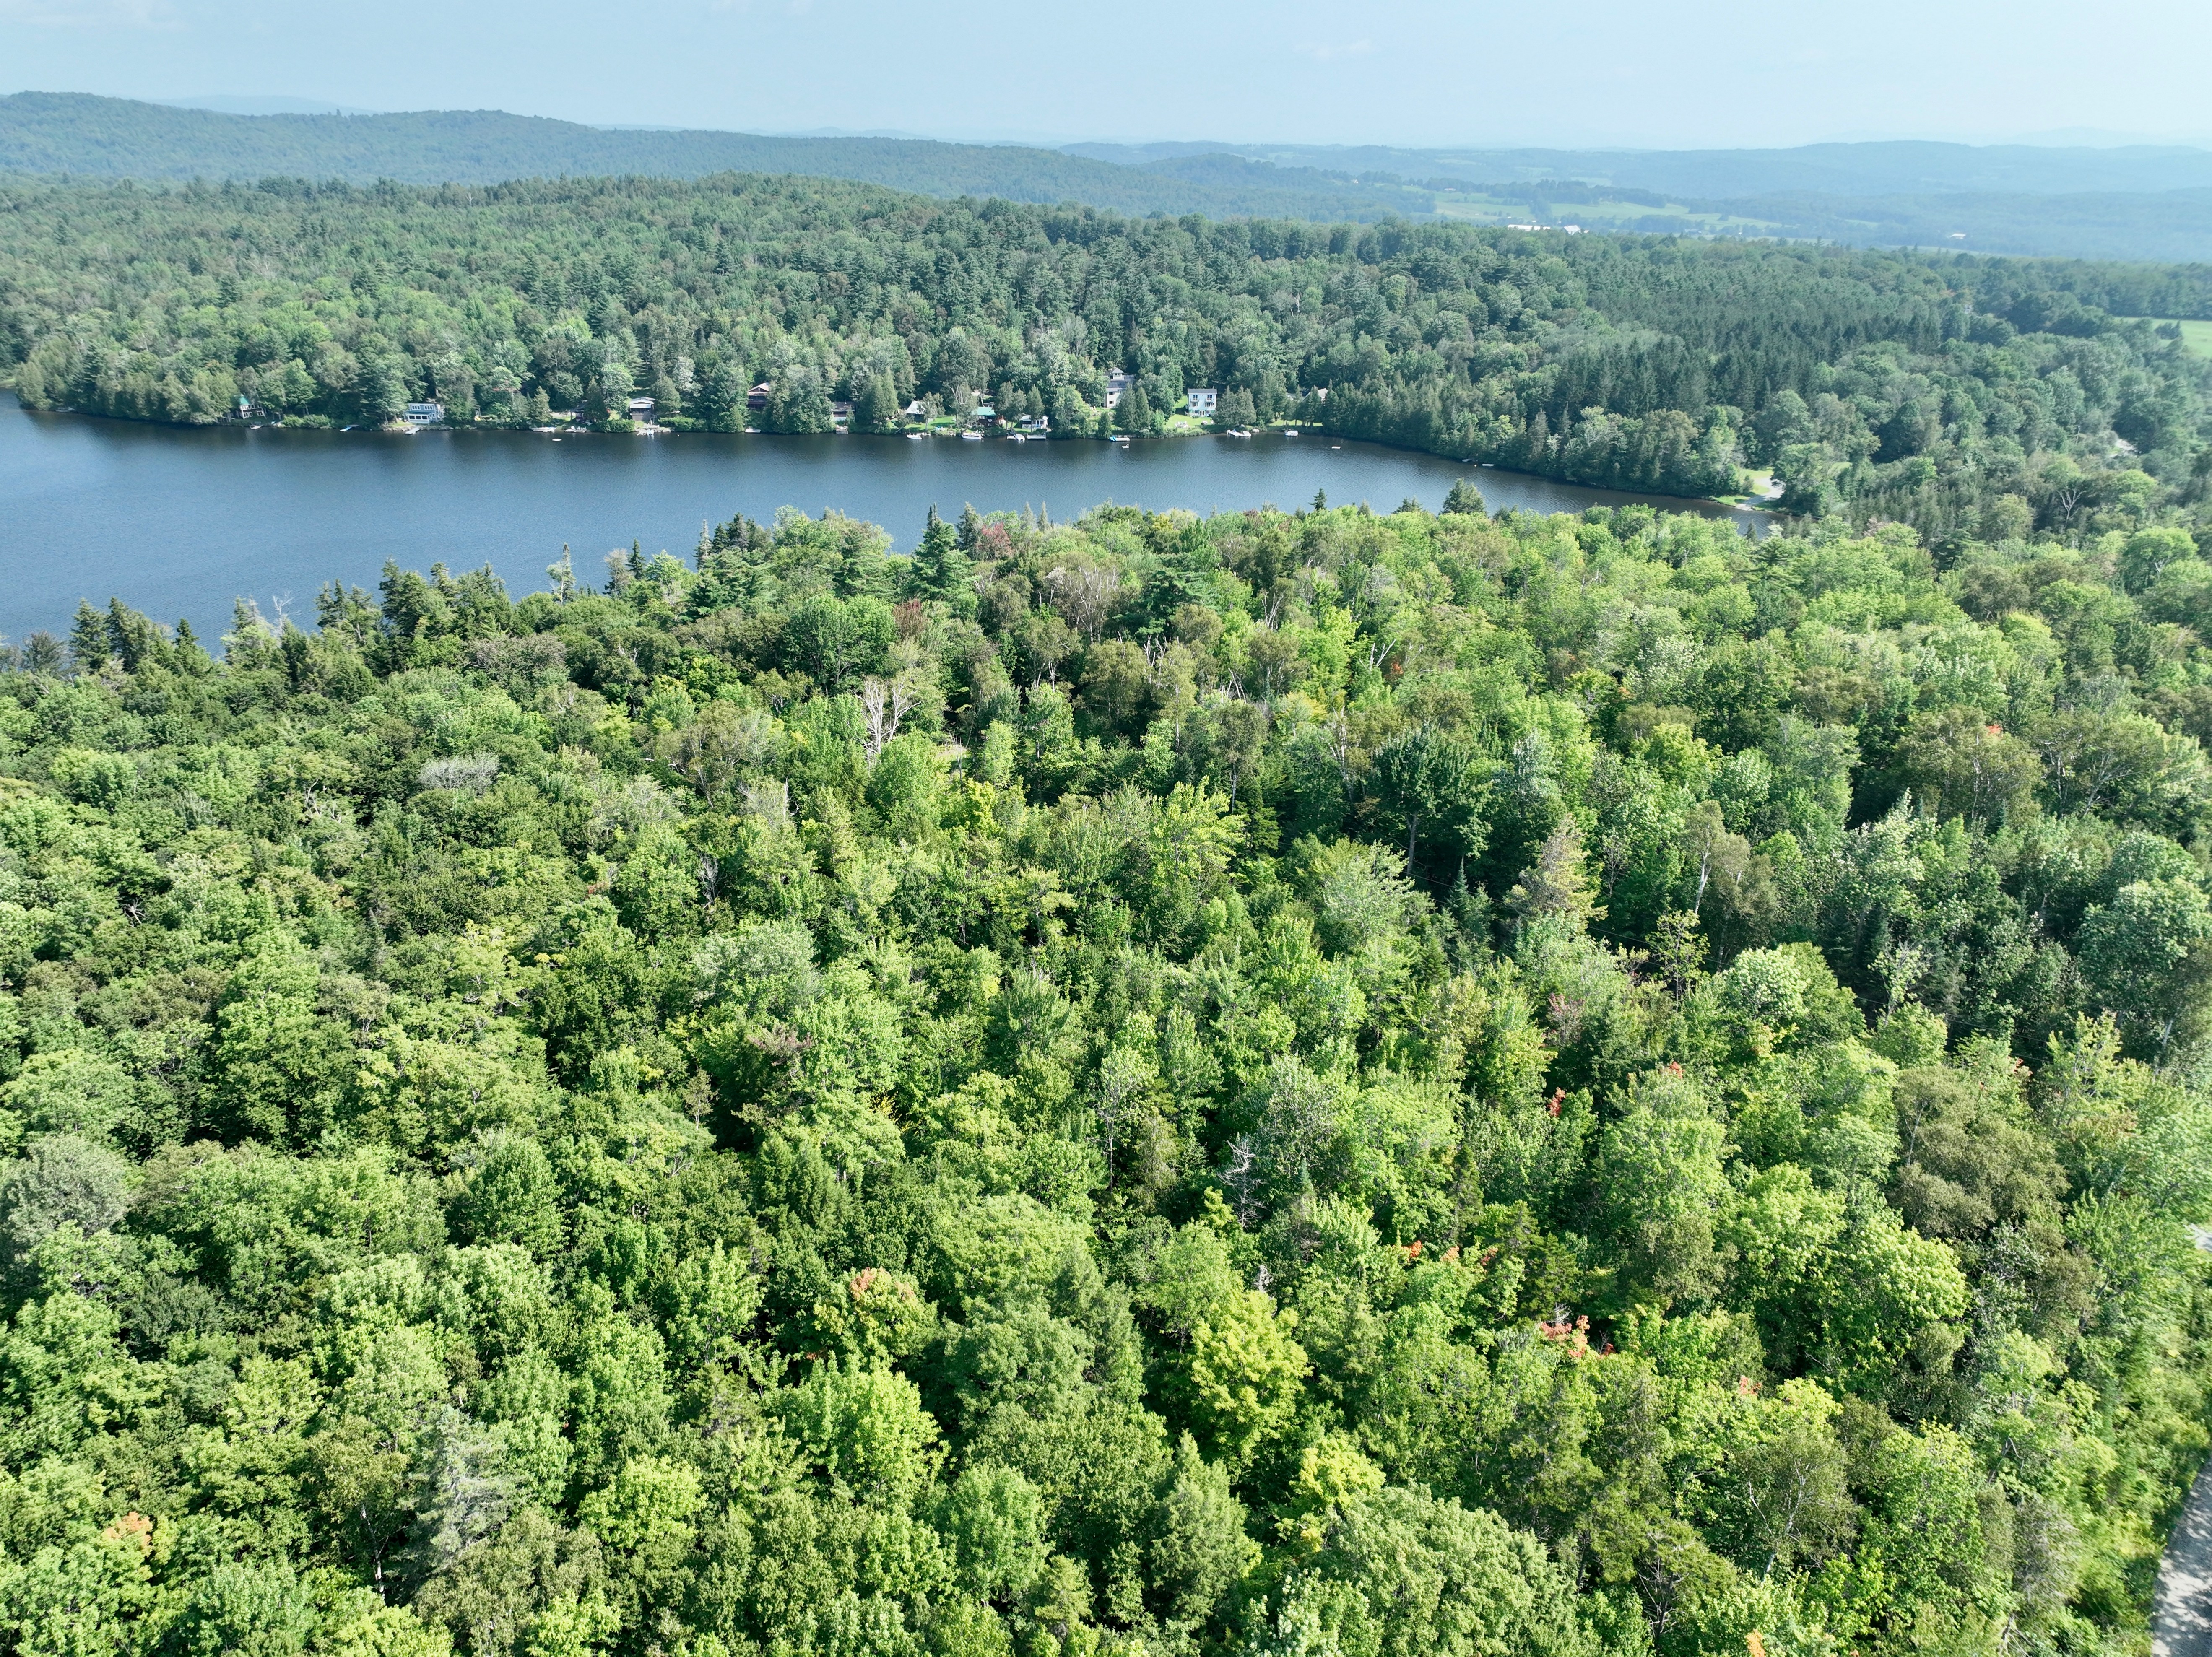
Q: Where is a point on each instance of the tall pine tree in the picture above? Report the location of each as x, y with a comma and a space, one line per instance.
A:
90, 645
940, 565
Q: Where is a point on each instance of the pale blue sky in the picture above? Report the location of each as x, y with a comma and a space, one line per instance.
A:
1725, 72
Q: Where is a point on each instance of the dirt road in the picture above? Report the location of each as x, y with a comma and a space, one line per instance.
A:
2181, 1618
2181, 1621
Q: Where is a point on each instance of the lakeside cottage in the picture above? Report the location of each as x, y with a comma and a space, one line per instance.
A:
1204, 400
1117, 387
425, 414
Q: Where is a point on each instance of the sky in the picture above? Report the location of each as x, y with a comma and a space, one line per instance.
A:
1713, 74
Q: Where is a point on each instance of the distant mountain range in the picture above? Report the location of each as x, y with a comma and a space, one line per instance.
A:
2142, 202
1857, 169
117, 137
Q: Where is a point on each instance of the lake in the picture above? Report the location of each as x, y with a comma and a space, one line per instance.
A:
178, 522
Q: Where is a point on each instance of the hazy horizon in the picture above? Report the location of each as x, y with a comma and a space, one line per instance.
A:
289, 103
1421, 73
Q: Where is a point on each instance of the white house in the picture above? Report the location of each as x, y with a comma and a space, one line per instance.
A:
1117, 387
425, 414
641, 410
1204, 400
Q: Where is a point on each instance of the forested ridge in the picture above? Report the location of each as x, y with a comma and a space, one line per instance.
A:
1867, 168
1952, 393
2129, 204
76, 134
1314, 1083
2167, 225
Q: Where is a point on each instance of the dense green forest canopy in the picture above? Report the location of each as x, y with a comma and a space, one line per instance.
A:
1955, 394
1307, 1083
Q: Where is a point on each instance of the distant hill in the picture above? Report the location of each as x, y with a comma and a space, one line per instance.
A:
2171, 225
2142, 202
117, 137
2167, 225
1909, 168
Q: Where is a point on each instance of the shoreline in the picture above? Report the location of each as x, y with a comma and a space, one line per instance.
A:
1747, 505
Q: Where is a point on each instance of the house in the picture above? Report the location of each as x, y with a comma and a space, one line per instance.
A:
913, 410
1203, 401
756, 398
984, 415
840, 413
1117, 387
641, 410
425, 414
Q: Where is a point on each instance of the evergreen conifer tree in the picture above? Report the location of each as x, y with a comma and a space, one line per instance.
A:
940, 565
89, 644
876, 407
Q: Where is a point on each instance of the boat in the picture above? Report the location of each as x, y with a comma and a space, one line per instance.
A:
1291, 431
971, 437
916, 437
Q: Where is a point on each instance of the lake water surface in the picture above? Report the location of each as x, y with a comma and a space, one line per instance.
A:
179, 522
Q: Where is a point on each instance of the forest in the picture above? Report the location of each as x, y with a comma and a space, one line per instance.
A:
43, 132
2136, 204
1317, 1082
1951, 393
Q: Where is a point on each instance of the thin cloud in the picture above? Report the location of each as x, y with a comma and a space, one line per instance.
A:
1329, 52
88, 13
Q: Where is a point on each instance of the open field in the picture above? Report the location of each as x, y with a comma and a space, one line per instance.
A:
2198, 337
1603, 216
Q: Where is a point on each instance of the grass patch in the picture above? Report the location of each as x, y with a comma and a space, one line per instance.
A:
1478, 209
2196, 335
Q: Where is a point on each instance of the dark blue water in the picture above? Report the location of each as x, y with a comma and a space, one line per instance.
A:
179, 522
